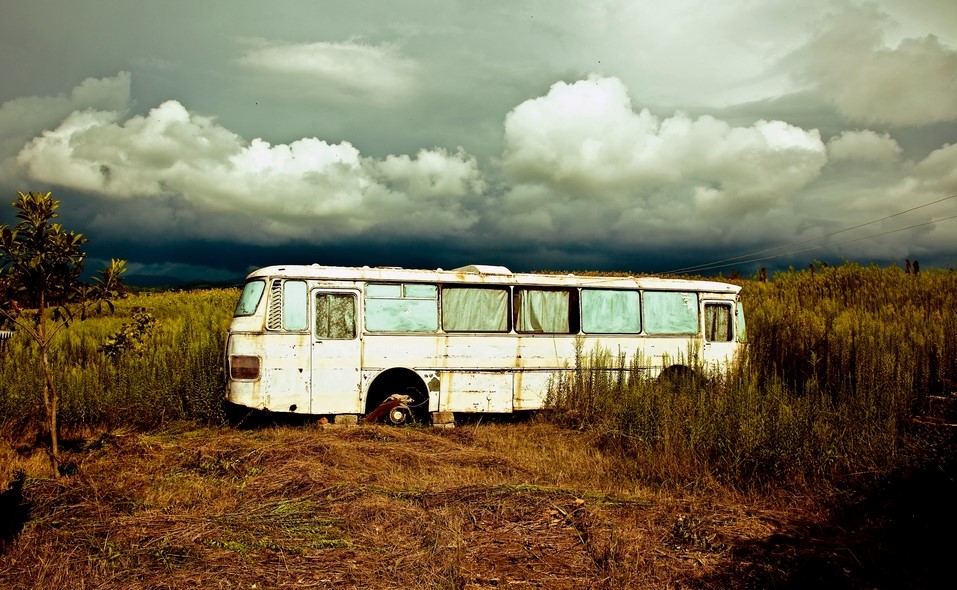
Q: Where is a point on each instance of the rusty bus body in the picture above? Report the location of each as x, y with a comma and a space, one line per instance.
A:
339, 341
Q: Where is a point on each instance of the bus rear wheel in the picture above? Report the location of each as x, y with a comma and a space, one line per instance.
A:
680, 377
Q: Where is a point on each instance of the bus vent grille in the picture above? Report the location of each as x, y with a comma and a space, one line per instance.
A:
274, 316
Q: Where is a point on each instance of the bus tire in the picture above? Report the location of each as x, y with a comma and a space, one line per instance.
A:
400, 415
398, 382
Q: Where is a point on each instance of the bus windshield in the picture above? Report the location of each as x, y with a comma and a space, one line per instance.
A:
249, 300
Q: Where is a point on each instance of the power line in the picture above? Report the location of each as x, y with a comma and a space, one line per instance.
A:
718, 263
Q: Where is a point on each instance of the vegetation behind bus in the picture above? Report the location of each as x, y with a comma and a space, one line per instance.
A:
838, 363
158, 358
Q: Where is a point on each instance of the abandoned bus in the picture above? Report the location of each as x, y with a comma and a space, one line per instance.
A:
340, 341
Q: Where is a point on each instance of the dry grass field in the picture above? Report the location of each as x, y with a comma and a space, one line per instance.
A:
521, 505
816, 463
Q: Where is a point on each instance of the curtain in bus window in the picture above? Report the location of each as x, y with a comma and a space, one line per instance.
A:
543, 311
474, 310
717, 322
335, 316
401, 308
294, 305
610, 312
669, 312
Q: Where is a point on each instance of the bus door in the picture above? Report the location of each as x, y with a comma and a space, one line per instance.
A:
336, 352
719, 344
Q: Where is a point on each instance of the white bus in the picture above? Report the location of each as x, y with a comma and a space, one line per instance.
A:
339, 341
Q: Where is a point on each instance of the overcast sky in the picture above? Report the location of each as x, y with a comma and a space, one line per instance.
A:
206, 138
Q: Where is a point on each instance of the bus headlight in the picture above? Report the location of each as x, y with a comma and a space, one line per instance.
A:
244, 367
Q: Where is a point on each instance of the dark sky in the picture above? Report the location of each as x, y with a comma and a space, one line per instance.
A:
200, 140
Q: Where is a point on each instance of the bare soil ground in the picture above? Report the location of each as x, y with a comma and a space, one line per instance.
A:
476, 507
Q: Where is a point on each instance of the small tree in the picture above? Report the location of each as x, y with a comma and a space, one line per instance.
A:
41, 287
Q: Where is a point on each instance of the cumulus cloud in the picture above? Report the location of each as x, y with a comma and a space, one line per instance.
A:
606, 165
306, 189
583, 172
938, 171
348, 70
433, 173
22, 118
865, 145
912, 83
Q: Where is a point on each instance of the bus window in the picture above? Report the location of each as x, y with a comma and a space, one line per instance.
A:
335, 316
294, 305
742, 327
249, 300
467, 309
717, 322
606, 311
671, 312
541, 311
401, 307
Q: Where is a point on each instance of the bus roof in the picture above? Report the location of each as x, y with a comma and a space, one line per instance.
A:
484, 274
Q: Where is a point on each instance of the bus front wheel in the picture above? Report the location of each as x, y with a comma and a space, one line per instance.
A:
397, 397
399, 415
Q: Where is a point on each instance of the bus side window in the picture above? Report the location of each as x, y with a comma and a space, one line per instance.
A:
287, 306
717, 322
478, 309
335, 316
294, 306
742, 326
671, 312
606, 311
401, 307
542, 311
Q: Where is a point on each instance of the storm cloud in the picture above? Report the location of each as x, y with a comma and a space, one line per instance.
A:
419, 144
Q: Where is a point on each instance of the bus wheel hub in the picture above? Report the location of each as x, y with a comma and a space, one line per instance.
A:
399, 415
394, 409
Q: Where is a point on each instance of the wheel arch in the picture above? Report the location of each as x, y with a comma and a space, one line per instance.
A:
398, 380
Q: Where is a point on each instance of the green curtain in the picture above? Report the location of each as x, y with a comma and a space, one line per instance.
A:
543, 311
474, 310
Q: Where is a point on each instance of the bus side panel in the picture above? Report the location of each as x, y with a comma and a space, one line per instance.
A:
476, 391
475, 371
286, 372
387, 351
479, 375
532, 387
245, 392
541, 359
660, 352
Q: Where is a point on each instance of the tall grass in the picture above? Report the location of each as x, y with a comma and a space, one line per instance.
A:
839, 363
176, 375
